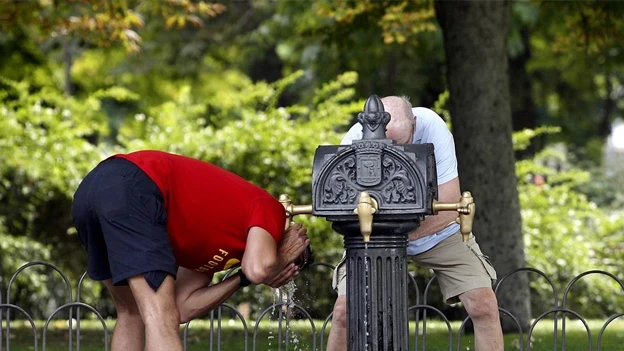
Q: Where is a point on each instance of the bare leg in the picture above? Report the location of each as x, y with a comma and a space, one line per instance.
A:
159, 312
337, 340
482, 308
129, 333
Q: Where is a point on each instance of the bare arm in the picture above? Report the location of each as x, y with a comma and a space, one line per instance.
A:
264, 261
195, 297
447, 192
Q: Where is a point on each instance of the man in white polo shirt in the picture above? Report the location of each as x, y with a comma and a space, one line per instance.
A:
463, 272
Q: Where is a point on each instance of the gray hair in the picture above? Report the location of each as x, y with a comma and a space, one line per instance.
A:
407, 100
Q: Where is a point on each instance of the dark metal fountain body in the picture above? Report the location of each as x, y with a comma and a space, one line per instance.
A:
402, 180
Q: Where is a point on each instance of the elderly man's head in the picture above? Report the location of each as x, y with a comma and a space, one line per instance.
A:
402, 124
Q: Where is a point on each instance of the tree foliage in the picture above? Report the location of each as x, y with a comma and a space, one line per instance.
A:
395, 45
575, 66
102, 23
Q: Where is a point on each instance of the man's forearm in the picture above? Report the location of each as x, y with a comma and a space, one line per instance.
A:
272, 270
433, 224
203, 300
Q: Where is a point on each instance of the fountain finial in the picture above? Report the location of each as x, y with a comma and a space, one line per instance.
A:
374, 119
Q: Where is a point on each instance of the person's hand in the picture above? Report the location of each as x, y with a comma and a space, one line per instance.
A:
293, 243
305, 259
290, 272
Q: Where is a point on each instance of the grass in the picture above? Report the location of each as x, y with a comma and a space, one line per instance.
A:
300, 338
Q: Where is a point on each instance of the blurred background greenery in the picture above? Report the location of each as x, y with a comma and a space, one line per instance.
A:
254, 86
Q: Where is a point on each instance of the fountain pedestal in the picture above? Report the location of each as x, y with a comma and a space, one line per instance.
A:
377, 292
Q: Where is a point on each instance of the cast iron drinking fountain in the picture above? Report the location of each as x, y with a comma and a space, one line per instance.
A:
375, 192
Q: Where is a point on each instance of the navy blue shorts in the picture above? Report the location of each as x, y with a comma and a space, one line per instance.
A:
122, 223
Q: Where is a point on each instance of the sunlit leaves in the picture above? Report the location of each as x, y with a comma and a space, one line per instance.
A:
180, 12
587, 26
522, 139
400, 21
103, 23
400, 24
344, 11
45, 135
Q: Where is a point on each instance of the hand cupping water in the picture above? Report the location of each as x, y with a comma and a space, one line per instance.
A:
293, 244
305, 259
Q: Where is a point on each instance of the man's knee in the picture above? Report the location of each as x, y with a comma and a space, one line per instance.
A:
481, 304
124, 301
339, 318
128, 312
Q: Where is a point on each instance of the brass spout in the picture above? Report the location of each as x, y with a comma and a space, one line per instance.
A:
466, 208
366, 207
293, 210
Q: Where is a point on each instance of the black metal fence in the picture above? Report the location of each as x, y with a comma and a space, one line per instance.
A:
287, 308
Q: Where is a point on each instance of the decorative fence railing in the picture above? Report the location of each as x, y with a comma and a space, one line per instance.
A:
316, 330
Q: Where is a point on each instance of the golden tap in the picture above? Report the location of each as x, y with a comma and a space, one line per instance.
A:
466, 208
293, 210
366, 207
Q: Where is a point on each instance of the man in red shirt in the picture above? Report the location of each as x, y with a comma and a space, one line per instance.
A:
157, 226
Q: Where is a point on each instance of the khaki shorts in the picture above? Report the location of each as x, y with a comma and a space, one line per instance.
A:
459, 267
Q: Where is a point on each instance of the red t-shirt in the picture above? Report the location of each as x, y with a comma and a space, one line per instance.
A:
209, 210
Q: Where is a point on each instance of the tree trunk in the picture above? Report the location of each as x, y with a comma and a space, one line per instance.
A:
522, 105
475, 42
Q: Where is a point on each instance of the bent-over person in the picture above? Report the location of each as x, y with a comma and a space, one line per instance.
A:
157, 226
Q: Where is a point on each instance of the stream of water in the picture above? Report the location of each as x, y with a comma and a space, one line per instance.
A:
366, 280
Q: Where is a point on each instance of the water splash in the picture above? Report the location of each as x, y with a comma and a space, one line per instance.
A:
289, 290
284, 299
